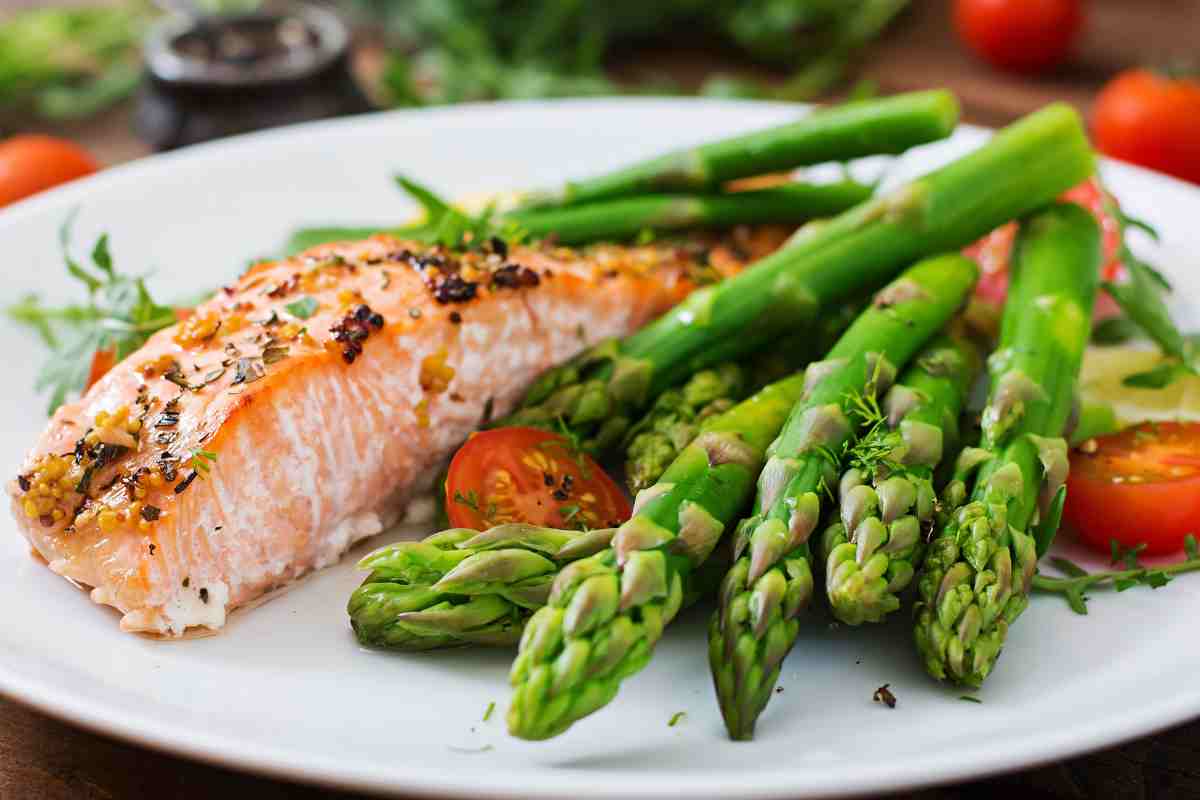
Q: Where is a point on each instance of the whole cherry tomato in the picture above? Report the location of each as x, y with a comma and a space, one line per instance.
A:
1019, 35
1152, 120
31, 163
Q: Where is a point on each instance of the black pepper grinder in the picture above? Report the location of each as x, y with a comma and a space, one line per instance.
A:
217, 75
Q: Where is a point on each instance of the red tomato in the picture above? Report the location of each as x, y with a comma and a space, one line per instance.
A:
1151, 120
31, 163
1019, 35
102, 362
530, 475
994, 250
1141, 485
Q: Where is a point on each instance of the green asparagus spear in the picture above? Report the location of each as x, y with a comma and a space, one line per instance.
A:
678, 415
886, 494
627, 217
890, 125
607, 611
979, 569
624, 218
462, 587
675, 419
1022, 168
771, 580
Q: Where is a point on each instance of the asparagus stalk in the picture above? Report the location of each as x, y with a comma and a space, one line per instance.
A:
886, 495
607, 611
678, 415
890, 125
979, 569
675, 419
1022, 168
462, 586
771, 580
626, 217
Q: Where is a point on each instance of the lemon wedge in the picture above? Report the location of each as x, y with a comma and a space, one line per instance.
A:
1100, 383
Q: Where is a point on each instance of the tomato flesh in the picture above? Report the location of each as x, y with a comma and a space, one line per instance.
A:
1138, 486
533, 476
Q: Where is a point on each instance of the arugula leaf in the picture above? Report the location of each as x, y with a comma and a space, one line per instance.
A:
118, 315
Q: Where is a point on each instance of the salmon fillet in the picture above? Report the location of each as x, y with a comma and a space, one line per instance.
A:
299, 410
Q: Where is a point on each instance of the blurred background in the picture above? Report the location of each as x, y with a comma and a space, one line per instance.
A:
118, 79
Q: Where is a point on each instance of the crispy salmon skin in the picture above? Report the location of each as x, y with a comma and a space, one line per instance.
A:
302, 407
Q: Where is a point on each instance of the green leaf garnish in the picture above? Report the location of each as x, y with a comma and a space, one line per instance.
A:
1077, 581
1158, 377
470, 499
119, 314
202, 461
303, 308
1115, 330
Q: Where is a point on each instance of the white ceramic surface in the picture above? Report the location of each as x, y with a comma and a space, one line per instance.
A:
285, 690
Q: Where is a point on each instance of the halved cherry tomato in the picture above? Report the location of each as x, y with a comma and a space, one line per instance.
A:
1139, 486
1019, 35
31, 163
102, 362
530, 475
1152, 120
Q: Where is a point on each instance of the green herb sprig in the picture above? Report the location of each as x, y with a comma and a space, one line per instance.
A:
1076, 581
119, 315
1141, 298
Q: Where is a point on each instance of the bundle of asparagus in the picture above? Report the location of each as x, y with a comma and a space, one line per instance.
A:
588, 608
596, 394
771, 580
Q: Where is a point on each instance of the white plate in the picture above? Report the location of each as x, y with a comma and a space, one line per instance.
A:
285, 689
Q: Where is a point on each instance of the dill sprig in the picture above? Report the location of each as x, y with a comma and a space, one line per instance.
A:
872, 451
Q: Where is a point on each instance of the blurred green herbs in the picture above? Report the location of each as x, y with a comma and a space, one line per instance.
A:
449, 51
68, 62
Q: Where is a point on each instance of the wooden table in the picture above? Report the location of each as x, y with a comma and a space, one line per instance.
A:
41, 758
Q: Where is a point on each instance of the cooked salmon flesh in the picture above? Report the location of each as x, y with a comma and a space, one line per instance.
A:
300, 409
